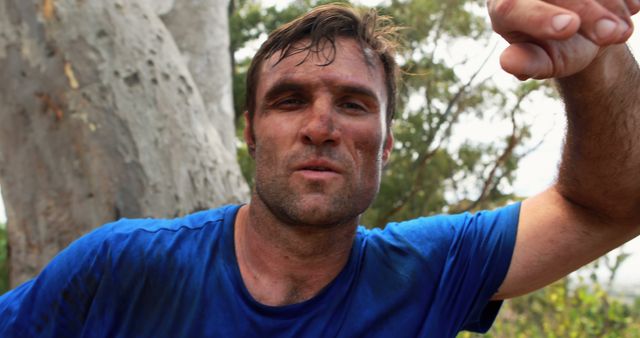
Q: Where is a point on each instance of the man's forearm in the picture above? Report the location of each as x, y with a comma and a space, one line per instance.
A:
600, 168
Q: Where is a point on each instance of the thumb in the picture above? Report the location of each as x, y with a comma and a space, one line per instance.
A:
526, 60
522, 20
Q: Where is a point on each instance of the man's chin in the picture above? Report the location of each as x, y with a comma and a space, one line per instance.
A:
319, 208
321, 213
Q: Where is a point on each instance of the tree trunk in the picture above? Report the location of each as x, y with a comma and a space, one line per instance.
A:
100, 118
204, 44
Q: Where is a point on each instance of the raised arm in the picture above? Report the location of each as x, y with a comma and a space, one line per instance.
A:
595, 204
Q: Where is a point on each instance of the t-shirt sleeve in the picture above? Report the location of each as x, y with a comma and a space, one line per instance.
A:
466, 258
54, 304
477, 264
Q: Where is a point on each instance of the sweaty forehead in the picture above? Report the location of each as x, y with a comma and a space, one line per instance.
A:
323, 54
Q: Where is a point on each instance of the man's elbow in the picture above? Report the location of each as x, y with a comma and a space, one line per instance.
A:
616, 208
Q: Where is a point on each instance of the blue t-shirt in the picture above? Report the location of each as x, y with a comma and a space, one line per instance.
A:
428, 277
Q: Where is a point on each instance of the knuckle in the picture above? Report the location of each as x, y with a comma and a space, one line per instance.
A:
502, 8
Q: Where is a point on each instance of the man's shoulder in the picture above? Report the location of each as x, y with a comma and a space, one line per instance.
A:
131, 232
144, 245
442, 229
422, 236
508, 213
194, 221
440, 223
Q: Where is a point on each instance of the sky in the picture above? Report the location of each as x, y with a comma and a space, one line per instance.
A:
537, 170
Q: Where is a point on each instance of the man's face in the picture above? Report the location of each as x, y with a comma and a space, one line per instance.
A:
319, 134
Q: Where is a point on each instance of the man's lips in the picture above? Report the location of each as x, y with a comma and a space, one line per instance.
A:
318, 168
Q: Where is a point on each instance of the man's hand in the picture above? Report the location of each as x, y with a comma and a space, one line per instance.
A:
558, 38
594, 206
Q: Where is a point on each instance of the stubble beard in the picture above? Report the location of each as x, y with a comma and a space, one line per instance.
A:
301, 208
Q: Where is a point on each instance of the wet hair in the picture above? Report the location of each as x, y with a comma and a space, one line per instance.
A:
321, 26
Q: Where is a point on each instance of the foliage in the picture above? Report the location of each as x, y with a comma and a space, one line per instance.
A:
571, 307
4, 263
435, 169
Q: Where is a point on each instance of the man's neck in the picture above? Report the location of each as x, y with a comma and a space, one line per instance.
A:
283, 264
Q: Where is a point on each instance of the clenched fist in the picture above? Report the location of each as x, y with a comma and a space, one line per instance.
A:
558, 38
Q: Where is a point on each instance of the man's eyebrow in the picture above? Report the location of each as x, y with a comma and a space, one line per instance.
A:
357, 90
285, 86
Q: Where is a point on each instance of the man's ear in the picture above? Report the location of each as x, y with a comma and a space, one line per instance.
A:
249, 136
386, 148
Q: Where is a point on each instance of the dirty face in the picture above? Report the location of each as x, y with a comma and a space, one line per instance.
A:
319, 135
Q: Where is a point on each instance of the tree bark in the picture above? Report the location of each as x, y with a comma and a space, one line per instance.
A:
204, 44
100, 118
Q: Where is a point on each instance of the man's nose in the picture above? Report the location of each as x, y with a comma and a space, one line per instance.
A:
320, 127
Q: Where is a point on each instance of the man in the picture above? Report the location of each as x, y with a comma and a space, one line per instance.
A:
293, 262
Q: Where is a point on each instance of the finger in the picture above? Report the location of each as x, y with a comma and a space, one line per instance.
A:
514, 19
526, 60
633, 6
549, 59
617, 7
622, 10
600, 24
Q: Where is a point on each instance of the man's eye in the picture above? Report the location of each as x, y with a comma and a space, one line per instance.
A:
354, 106
290, 102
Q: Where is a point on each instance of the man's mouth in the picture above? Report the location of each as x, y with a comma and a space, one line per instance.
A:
318, 169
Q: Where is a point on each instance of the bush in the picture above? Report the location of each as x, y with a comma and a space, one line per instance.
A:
568, 308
